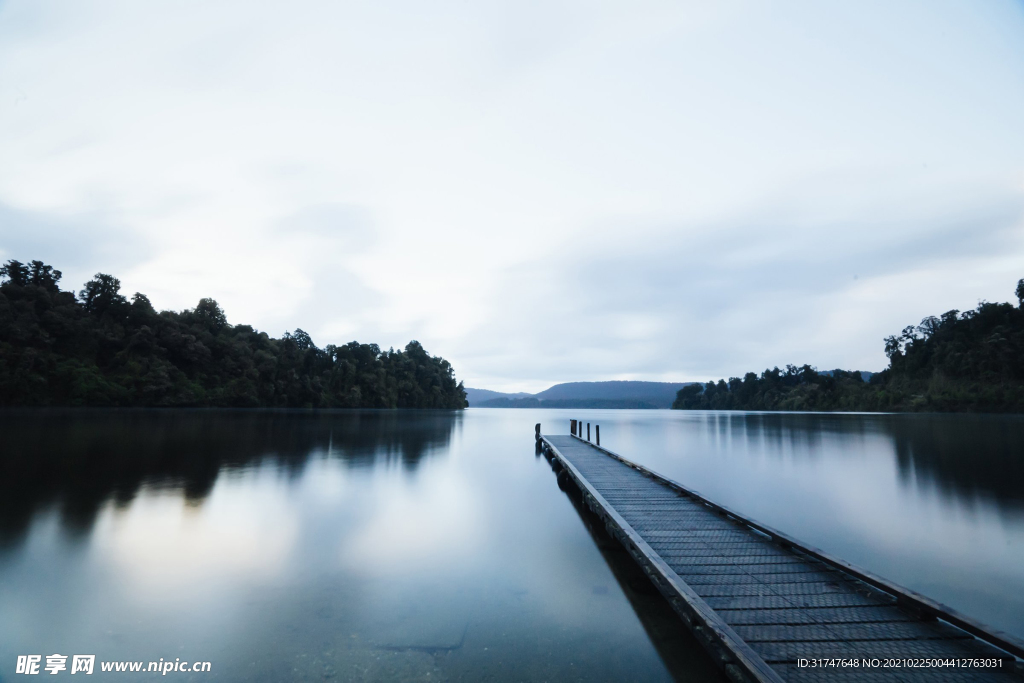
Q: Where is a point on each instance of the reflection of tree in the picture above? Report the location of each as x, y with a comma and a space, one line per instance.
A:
81, 459
784, 432
964, 456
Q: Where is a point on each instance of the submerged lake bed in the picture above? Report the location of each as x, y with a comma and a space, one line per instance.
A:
435, 545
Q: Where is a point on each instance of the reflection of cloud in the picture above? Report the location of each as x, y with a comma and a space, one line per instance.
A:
242, 531
422, 524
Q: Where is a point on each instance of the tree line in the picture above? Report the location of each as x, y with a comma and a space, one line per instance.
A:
970, 361
99, 348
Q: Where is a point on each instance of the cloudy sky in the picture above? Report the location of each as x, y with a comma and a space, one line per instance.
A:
539, 192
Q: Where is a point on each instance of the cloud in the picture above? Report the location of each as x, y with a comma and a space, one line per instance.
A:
536, 191
753, 291
78, 245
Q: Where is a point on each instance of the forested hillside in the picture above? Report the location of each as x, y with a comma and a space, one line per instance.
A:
969, 361
610, 394
100, 349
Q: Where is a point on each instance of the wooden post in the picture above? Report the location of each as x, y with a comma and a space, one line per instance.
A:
588, 431
572, 427
597, 428
536, 431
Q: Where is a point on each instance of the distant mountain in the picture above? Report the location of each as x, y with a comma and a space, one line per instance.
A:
567, 403
615, 394
660, 394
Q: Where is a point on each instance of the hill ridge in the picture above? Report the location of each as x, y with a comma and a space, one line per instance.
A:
583, 394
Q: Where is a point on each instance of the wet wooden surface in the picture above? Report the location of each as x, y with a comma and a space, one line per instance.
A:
763, 606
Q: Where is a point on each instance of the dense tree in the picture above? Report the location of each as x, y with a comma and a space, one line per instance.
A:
970, 361
100, 349
102, 294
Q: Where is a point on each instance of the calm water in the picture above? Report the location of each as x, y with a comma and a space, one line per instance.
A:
436, 546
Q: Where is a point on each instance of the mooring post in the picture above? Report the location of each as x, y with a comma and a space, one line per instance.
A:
588, 431
572, 427
597, 428
536, 431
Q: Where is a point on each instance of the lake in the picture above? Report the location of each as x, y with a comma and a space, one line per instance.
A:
436, 546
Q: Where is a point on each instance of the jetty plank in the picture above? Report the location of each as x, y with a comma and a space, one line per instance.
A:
764, 604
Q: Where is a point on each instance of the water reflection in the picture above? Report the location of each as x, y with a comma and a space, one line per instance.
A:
683, 656
934, 502
305, 547
965, 457
969, 456
424, 546
80, 459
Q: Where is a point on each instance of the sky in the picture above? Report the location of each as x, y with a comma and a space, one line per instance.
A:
537, 191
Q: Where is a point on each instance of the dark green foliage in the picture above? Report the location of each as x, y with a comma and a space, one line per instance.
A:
100, 349
795, 388
970, 361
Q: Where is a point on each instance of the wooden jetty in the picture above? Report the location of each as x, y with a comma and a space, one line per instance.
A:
766, 606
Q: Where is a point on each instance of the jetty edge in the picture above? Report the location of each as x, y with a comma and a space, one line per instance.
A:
766, 606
